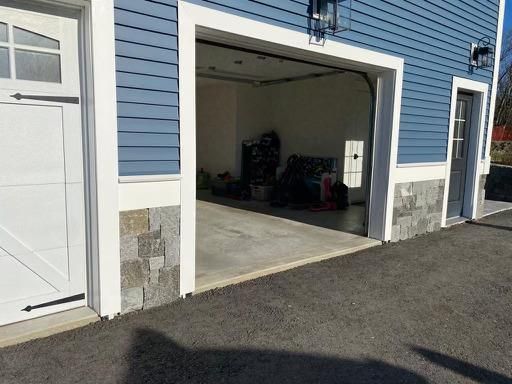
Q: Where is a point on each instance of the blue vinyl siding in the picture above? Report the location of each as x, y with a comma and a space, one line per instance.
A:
147, 86
433, 38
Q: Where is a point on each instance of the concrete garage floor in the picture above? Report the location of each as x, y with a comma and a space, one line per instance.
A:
434, 309
234, 245
350, 220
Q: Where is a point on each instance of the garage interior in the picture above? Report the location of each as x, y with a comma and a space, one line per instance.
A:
282, 163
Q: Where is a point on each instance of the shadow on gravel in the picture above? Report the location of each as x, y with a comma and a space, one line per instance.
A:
501, 227
155, 358
473, 372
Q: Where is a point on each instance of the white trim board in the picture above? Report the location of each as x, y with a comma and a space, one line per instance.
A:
494, 89
151, 194
474, 158
107, 283
148, 178
420, 173
233, 29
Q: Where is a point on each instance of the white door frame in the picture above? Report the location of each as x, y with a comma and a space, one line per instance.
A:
474, 169
99, 108
388, 69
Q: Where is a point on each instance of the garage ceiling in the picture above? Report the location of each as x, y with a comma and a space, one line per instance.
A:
236, 65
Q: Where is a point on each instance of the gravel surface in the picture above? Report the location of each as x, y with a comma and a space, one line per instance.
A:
435, 309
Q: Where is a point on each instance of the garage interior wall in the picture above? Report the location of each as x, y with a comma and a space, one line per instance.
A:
312, 117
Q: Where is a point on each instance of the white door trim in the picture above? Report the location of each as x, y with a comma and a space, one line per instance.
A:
100, 124
388, 69
480, 92
105, 267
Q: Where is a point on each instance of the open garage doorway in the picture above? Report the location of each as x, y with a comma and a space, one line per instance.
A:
283, 162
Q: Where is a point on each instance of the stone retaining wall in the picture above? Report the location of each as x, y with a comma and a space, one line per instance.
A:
150, 260
417, 208
499, 183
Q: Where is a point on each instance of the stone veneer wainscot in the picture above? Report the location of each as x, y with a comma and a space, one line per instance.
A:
149, 257
417, 209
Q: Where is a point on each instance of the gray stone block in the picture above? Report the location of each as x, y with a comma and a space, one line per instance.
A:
404, 233
396, 214
170, 222
438, 207
133, 222
419, 187
435, 217
156, 262
129, 245
409, 203
154, 219
421, 199
166, 291
169, 275
431, 196
405, 221
132, 299
422, 226
170, 227
416, 216
133, 274
403, 189
151, 245
154, 276
395, 233
172, 252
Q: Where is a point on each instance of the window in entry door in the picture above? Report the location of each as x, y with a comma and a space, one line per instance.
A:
459, 130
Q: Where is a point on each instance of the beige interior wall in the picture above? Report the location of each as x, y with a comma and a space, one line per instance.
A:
216, 134
311, 117
316, 117
255, 116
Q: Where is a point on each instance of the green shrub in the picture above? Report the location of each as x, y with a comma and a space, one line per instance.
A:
501, 152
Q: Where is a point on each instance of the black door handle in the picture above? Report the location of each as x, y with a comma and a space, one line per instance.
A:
356, 156
55, 99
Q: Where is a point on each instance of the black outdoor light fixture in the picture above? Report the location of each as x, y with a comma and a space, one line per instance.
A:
331, 15
482, 53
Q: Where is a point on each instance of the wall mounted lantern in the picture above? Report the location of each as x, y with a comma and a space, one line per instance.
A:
331, 15
482, 53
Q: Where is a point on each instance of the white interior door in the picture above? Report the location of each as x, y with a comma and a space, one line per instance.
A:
354, 172
42, 221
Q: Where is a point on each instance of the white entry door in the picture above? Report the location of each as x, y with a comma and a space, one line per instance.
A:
42, 221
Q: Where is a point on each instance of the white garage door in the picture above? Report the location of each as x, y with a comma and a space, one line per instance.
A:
42, 229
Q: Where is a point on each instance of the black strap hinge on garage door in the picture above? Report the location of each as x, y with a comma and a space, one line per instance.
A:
55, 99
65, 300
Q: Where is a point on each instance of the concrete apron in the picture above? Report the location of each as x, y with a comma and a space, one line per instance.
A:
368, 243
235, 245
46, 326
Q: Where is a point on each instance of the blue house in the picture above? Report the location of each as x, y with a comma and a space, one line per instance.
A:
166, 147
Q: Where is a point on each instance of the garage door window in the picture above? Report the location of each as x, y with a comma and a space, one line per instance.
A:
36, 57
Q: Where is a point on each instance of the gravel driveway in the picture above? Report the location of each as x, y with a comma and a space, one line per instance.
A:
435, 309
